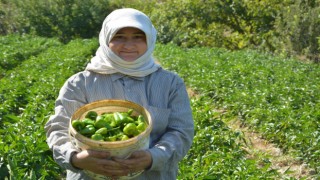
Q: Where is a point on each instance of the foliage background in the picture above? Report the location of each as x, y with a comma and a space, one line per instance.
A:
283, 27
265, 93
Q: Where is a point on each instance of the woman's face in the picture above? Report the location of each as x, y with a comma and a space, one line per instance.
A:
129, 43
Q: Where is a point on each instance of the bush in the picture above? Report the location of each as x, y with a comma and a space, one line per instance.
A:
187, 23
288, 28
66, 19
285, 27
233, 24
9, 16
298, 27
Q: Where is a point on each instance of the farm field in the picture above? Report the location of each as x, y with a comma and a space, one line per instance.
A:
278, 98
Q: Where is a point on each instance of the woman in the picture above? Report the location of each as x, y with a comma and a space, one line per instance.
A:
123, 68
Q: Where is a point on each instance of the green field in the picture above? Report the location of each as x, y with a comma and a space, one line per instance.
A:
279, 98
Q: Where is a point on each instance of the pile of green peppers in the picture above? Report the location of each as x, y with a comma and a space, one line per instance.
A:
115, 126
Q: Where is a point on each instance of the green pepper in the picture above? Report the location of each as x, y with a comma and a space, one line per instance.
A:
124, 137
129, 119
113, 123
77, 124
99, 117
130, 129
123, 119
88, 121
111, 138
117, 131
140, 119
100, 123
108, 117
130, 111
116, 117
141, 127
119, 118
97, 137
88, 130
102, 131
91, 115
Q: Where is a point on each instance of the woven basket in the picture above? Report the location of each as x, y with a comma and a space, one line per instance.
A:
121, 149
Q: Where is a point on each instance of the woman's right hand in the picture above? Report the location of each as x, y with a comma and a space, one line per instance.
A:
98, 162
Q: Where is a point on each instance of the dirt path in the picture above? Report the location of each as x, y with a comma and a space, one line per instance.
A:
260, 149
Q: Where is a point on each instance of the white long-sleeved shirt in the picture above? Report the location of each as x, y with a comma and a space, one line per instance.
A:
162, 93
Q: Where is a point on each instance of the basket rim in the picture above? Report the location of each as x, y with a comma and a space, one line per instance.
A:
113, 103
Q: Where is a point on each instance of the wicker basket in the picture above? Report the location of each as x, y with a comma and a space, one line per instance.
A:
120, 149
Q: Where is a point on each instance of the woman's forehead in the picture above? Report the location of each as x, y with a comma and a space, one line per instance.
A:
130, 30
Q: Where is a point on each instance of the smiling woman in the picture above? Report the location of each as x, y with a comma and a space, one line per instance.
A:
129, 43
124, 68
129, 30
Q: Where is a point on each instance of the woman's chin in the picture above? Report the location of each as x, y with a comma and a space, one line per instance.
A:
129, 58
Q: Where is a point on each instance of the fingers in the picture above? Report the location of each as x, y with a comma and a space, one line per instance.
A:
110, 171
103, 166
111, 168
137, 161
137, 154
102, 163
98, 154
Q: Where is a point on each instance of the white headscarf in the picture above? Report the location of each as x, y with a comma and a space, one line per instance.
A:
107, 62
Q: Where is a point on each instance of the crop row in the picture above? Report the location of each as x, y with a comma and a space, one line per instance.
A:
27, 99
278, 98
218, 151
15, 49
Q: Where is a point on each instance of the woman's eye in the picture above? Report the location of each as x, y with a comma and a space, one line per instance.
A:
134, 37
119, 37
140, 37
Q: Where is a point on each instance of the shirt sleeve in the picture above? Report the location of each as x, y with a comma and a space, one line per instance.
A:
176, 141
70, 98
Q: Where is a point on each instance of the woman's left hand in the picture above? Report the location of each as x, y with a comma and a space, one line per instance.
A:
137, 161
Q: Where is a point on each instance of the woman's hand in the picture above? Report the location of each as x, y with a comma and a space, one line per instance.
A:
99, 162
137, 161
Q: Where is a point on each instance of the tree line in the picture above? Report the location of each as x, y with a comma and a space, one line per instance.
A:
289, 28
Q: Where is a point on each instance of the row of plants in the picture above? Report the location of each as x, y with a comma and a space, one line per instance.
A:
27, 100
217, 152
15, 49
277, 97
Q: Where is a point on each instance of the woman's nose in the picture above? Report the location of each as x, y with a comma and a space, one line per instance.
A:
129, 44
